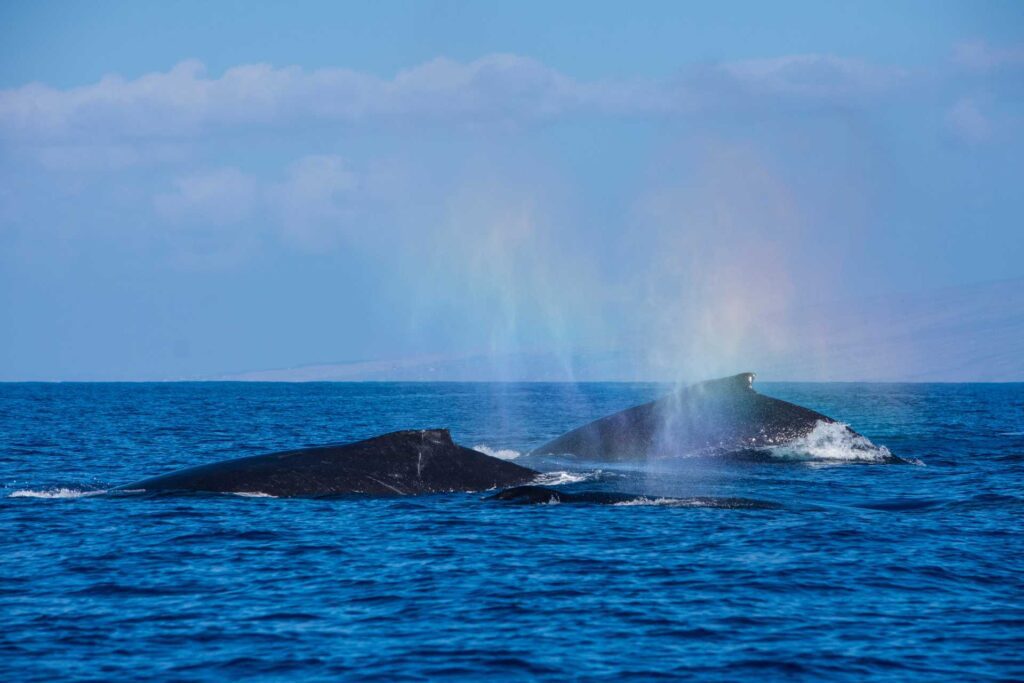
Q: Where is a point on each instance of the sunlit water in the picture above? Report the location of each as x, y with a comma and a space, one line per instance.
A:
867, 570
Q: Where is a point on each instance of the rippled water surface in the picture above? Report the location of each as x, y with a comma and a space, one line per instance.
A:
851, 569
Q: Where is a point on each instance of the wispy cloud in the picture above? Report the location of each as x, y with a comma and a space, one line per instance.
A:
498, 88
981, 56
967, 122
209, 216
315, 202
313, 207
186, 99
221, 196
812, 77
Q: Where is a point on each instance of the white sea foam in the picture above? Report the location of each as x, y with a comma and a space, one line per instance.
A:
832, 442
251, 494
502, 453
55, 493
558, 478
670, 502
686, 502
699, 502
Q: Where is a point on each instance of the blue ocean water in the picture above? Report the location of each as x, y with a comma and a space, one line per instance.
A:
868, 570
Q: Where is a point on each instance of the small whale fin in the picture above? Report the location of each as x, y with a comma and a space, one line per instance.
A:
741, 382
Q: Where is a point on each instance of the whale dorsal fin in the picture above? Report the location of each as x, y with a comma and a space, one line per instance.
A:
437, 436
741, 382
745, 380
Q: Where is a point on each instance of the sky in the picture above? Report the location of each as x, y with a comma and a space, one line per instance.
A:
193, 189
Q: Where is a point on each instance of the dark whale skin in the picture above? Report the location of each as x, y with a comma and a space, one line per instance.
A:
396, 464
718, 416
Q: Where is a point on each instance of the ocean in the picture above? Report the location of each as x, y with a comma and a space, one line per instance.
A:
861, 568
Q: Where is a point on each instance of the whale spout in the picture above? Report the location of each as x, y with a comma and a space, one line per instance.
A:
716, 416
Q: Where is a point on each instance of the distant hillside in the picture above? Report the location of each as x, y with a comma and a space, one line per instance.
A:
957, 334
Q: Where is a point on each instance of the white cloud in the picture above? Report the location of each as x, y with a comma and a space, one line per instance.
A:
185, 99
315, 203
967, 122
496, 88
209, 215
812, 78
981, 56
218, 197
990, 107
313, 207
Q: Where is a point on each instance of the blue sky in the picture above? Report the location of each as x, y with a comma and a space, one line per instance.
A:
189, 189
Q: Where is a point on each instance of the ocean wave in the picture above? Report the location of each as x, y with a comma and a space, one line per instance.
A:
834, 442
702, 502
251, 494
55, 493
501, 453
643, 500
560, 477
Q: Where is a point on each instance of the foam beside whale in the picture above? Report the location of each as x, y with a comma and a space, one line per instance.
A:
717, 417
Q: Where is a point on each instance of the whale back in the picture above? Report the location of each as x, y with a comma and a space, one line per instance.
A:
399, 463
713, 416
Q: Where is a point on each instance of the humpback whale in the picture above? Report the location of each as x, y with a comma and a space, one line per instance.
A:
395, 464
718, 416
